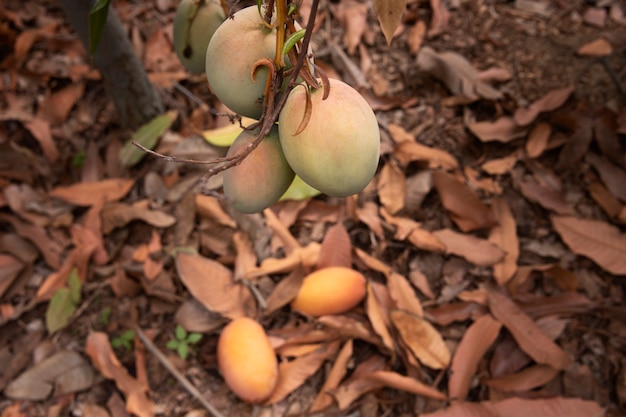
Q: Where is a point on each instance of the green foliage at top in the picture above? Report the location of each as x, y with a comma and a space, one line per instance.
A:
97, 20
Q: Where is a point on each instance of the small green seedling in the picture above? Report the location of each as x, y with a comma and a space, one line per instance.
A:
182, 341
125, 340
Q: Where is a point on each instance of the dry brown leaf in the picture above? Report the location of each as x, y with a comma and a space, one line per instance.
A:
285, 291
456, 72
612, 175
607, 201
538, 138
528, 335
355, 20
439, 19
549, 102
476, 341
501, 165
292, 374
10, 267
543, 193
504, 235
336, 249
120, 214
405, 383
40, 129
56, 107
597, 240
306, 257
406, 152
246, 256
391, 187
153, 266
378, 315
596, 48
389, 13
98, 348
475, 250
523, 407
373, 263
422, 339
527, 379
503, 129
465, 208
426, 240
335, 375
480, 182
416, 36
208, 206
88, 194
212, 284
403, 294
357, 385
368, 214
355, 327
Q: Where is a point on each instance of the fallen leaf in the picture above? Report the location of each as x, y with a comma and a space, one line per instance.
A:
292, 374
378, 316
10, 267
88, 194
389, 13
56, 107
212, 284
334, 377
465, 208
612, 176
538, 138
207, 206
527, 379
355, 21
504, 129
523, 407
597, 240
357, 385
391, 187
406, 152
456, 72
63, 373
98, 347
543, 193
478, 251
475, 343
285, 291
549, 102
504, 235
528, 335
596, 48
405, 383
403, 294
424, 341
40, 129
368, 214
119, 215
416, 36
336, 249
439, 19
501, 166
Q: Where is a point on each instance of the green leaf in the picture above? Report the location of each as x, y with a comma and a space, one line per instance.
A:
97, 21
181, 333
194, 338
183, 350
299, 190
60, 310
73, 281
172, 344
147, 136
292, 40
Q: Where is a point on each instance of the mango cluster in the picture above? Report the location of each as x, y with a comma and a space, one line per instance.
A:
332, 143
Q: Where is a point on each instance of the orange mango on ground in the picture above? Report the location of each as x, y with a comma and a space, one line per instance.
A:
247, 360
331, 290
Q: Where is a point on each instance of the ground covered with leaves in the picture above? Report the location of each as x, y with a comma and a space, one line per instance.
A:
493, 236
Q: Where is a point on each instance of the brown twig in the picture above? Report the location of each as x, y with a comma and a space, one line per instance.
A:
191, 389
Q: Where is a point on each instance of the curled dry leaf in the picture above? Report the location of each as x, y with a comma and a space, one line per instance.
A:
457, 73
422, 339
292, 374
550, 102
465, 208
212, 284
504, 235
527, 333
478, 251
504, 129
538, 138
355, 21
368, 214
98, 347
612, 176
477, 339
119, 214
334, 377
543, 193
405, 383
391, 187
378, 315
88, 194
403, 294
597, 240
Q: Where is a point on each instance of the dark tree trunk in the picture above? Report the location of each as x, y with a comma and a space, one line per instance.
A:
134, 96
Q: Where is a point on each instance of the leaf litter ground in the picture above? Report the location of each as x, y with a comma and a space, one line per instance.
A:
492, 237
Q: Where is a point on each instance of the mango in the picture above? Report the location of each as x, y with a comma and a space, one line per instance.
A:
330, 290
261, 178
338, 150
234, 49
195, 23
247, 360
